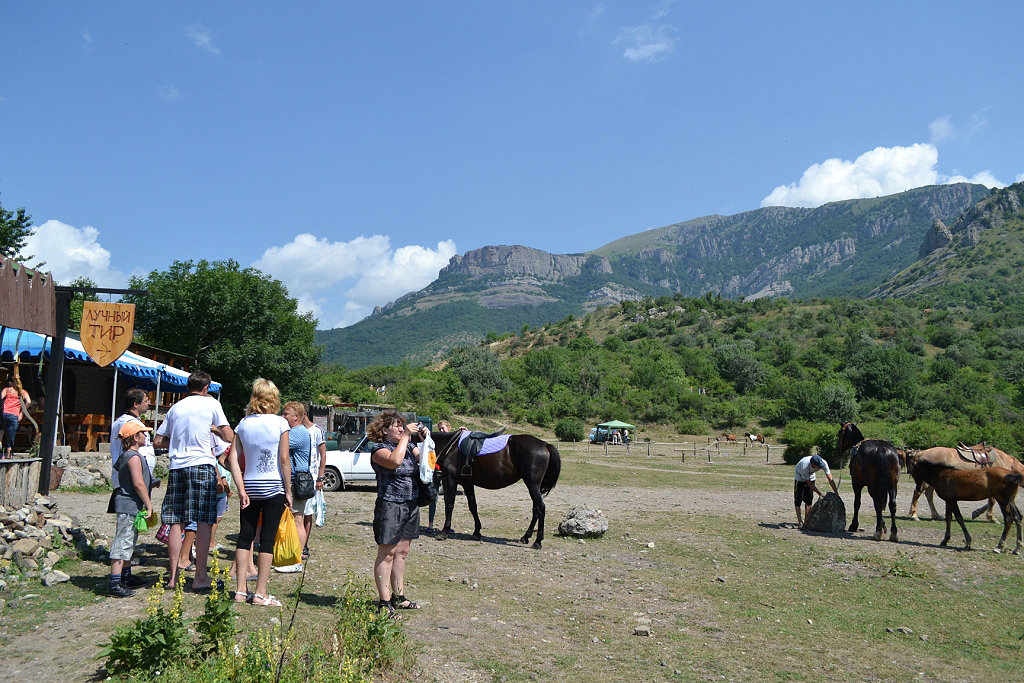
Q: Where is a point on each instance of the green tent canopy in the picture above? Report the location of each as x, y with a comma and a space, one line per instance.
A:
616, 424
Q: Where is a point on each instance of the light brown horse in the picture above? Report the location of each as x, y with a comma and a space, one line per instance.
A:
953, 485
965, 458
727, 437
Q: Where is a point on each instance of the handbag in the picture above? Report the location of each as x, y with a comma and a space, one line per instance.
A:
287, 550
303, 487
427, 494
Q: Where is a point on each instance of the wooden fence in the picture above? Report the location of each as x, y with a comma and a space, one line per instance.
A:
19, 478
712, 448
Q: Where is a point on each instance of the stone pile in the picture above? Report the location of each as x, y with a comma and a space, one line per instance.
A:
827, 515
584, 522
35, 536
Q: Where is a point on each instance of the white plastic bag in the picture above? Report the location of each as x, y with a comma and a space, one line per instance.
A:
427, 459
319, 508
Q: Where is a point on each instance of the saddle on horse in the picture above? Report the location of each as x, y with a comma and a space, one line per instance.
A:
470, 446
981, 456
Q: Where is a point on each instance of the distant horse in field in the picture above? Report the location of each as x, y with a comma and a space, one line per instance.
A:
524, 457
875, 464
953, 485
754, 438
727, 437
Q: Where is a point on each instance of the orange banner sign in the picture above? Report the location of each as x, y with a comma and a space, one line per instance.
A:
107, 330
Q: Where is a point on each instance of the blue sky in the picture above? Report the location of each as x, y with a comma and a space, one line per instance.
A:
350, 149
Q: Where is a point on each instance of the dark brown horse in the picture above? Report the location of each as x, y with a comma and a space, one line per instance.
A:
953, 485
524, 457
875, 464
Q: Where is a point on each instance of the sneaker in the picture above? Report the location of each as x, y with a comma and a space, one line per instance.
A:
120, 591
134, 582
290, 569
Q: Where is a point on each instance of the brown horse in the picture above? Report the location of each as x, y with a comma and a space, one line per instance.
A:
953, 485
963, 458
875, 464
727, 437
524, 457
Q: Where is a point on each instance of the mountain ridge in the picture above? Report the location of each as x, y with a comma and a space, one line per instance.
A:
842, 248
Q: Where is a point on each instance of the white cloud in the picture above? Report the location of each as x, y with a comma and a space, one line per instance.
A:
341, 282
71, 252
1020, 178
882, 171
86, 40
202, 38
651, 40
942, 129
167, 93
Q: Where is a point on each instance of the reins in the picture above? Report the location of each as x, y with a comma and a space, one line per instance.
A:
449, 447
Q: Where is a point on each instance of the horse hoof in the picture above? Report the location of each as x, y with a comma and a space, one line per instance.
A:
524, 540
915, 518
477, 537
877, 536
997, 550
943, 544
536, 545
853, 527
892, 538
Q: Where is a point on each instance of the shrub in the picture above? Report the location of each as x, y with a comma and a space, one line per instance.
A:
692, 426
569, 429
802, 437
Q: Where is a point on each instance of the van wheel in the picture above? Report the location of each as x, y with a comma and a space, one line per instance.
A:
332, 479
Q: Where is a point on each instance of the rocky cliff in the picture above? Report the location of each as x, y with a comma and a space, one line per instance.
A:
841, 248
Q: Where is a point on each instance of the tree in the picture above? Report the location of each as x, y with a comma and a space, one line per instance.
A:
78, 301
237, 324
15, 228
569, 429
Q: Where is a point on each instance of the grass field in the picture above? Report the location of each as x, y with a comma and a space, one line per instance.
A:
705, 552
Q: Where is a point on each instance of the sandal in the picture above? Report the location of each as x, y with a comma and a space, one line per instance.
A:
385, 606
397, 600
264, 601
247, 597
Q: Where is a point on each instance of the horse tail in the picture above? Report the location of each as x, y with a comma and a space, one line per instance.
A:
554, 469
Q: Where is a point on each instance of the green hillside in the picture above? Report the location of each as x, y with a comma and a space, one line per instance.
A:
943, 365
840, 249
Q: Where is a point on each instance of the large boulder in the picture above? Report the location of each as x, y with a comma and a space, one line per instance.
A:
827, 515
584, 522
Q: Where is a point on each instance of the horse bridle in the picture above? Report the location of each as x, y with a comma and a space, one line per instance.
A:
449, 447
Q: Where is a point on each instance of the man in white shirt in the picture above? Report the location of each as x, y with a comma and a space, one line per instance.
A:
317, 463
803, 484
192, 482
135, 402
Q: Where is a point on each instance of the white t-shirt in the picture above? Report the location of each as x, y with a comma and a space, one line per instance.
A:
316, 437
187, 426
259, 436
115, 443
803, 469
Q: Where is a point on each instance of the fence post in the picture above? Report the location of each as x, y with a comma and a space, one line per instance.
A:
767, 454
648, 448
606, 448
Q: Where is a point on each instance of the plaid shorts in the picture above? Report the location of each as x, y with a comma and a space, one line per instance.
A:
191, 496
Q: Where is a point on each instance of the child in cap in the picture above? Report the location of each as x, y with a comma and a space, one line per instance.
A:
131, 495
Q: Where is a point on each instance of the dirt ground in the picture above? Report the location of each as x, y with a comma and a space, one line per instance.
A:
62, 646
